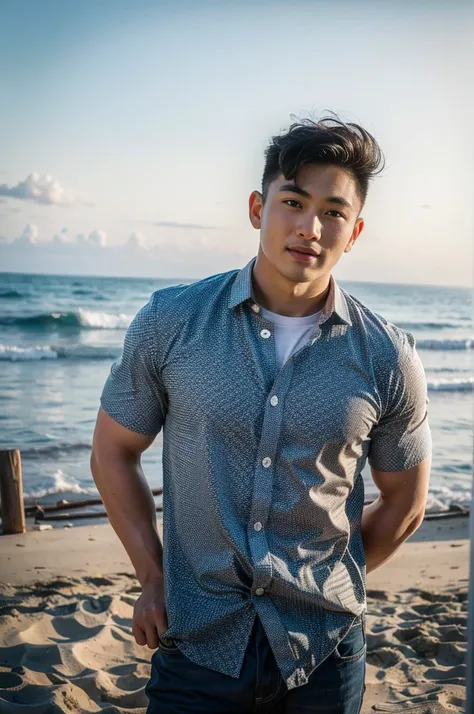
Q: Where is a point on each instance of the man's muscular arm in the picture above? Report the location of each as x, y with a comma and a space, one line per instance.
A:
396, 513
118, 475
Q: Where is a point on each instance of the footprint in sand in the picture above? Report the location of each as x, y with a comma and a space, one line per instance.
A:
416, 649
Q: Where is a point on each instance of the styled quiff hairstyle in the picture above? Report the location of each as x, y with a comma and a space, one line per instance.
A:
325, 141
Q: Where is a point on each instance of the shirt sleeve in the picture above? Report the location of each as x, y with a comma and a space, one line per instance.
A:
133, 394
402, 437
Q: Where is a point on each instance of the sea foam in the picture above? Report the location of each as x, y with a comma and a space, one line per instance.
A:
60, 484
451, 385
12, 353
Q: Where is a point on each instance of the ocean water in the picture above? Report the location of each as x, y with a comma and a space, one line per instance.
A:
59, 336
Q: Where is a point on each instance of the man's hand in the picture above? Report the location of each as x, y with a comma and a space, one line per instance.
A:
149, 615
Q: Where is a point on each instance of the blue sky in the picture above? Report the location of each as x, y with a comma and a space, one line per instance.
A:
145, 123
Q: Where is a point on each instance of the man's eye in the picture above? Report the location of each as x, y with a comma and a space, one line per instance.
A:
338, 214
292, 201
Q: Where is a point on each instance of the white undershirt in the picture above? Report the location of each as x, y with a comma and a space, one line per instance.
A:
291, 333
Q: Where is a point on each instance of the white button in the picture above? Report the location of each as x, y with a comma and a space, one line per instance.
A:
256, 308
259, 591
257, 526
274, 401
265, 334
266, 462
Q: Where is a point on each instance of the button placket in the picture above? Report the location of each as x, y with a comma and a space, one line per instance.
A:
263, 481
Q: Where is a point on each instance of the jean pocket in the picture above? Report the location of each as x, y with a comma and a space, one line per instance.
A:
353, 645
167, 645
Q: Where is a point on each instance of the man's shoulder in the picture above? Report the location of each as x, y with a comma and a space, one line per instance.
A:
384, 336
184, 299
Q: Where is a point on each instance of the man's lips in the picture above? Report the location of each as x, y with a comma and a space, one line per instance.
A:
302, 254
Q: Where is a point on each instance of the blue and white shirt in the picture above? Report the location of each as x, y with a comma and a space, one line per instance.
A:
262, 485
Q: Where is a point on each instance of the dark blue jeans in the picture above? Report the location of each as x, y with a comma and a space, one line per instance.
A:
179, 686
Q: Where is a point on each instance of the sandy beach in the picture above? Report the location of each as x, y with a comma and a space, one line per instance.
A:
66, 604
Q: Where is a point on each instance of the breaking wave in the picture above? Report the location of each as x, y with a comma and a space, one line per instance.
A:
461, 343
60, 485
80, 319
10, 295
451, 385
11, 353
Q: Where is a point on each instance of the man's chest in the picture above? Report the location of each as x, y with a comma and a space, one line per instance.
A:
230, 385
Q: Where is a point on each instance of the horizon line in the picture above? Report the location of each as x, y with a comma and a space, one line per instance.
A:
157, 277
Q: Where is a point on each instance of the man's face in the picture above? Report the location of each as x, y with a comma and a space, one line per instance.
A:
319, 213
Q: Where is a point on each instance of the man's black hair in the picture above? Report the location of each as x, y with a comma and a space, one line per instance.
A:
328, 140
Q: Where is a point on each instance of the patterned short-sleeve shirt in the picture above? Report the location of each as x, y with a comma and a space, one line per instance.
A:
262, 486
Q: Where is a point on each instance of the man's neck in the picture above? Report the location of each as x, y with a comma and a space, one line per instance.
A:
279, 295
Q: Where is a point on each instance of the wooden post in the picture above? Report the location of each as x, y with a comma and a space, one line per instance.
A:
11, 491
470, 616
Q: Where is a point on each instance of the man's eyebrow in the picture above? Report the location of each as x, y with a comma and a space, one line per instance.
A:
339, 200
294, 188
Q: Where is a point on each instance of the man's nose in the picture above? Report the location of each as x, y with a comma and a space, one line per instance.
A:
309, 227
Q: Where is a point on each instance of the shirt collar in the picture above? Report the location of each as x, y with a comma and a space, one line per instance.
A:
336, 302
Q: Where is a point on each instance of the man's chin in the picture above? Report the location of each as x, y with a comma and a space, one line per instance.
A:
301, 272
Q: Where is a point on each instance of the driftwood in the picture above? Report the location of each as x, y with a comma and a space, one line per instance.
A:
71, 516
459, 512
39, 510
61, 505
436, 515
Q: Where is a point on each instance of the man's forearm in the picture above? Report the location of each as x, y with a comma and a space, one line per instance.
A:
131, 510
384, 528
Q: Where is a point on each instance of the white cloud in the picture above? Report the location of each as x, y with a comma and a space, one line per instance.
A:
184, 243
29, 235
40, 188
136, 240
98, 238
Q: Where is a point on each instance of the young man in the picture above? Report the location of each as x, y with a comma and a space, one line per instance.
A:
273, 387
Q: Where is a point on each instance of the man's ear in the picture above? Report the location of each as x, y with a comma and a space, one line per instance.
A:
255, 209
358, 228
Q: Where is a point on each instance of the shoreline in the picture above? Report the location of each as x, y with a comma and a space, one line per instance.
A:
69, 550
